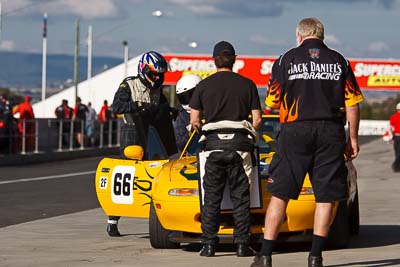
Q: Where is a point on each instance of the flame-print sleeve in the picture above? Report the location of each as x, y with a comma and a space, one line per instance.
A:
352, 92
274, 90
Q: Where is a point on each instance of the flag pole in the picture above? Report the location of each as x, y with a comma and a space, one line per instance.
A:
126, 57
44, 64
89, 43
76, 59
1, 22
89, 63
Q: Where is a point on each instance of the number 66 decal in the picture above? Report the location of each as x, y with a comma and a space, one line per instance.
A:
122, 184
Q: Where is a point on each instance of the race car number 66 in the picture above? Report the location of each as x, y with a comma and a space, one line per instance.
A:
122, 184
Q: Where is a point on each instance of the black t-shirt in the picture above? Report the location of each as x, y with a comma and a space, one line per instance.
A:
81, 111
312, 82
225, 95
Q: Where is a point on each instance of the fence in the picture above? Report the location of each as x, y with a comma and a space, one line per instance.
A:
47, 135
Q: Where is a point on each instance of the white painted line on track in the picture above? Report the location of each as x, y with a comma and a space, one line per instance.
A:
46, 177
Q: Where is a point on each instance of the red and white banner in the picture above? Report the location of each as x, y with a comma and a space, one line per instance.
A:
370, 74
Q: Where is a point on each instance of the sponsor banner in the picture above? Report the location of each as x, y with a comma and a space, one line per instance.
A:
374, 74
257, 69
370, 74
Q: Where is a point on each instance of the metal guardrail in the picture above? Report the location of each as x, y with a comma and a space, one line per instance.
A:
49, 135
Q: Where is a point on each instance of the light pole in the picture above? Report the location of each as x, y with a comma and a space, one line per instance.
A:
126, 56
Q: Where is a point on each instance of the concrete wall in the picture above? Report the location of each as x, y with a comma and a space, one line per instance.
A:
373, 127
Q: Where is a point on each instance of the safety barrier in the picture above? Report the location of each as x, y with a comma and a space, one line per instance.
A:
45, 135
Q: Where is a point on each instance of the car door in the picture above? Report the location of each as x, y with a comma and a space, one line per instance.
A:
123, 186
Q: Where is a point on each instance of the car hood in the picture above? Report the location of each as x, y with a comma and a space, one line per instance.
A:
183, 169
186, 168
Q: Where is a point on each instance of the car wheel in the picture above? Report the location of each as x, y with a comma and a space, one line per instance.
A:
158, 235
339, 233
354, 218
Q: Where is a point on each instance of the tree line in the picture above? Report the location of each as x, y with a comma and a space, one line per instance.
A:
379, 110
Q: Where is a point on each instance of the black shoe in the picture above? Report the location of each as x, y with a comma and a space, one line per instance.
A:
262, 261
315, 261
208, 250
112, 230
244, 250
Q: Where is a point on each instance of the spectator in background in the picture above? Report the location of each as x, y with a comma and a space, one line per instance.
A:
26, 114
105, 116
91, 117
395, 129
79, 118
7, 133
64, 115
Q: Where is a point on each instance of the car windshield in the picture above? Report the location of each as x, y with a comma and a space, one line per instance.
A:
267, 132
155, 148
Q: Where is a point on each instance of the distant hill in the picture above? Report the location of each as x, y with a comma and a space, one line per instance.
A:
24, 70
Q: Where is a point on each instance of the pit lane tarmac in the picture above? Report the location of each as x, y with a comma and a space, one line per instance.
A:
79, 239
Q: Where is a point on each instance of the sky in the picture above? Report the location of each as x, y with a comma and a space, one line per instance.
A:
356, 28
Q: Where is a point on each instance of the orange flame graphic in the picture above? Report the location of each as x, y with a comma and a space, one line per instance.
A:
289, 114
350, 89
274, 92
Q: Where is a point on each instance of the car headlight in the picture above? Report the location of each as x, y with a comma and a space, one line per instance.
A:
183, 192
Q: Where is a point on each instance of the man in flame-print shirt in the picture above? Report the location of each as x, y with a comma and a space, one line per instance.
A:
316, 92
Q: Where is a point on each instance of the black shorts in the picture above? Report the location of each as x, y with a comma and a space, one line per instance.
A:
313, 147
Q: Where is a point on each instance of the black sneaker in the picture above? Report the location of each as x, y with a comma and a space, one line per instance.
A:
262, 261
315, 261
112, 230
208, 250
244, 250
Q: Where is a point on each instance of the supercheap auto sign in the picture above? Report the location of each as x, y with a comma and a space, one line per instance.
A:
376, 75
370, 74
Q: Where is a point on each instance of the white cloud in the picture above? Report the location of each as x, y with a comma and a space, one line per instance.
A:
378, 46
195, 7
88, 9
7, 45
237, 8
15, 6
332, 40
205, 10
262, 40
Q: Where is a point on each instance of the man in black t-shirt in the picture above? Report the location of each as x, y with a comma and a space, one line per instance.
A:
64, 115
225, 100
79, 118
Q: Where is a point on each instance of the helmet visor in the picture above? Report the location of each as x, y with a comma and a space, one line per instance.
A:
184, 98
155, 76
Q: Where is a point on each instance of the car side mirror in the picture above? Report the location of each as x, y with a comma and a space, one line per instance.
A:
134, 152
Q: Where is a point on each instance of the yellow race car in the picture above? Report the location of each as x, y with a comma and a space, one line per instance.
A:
167, 192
